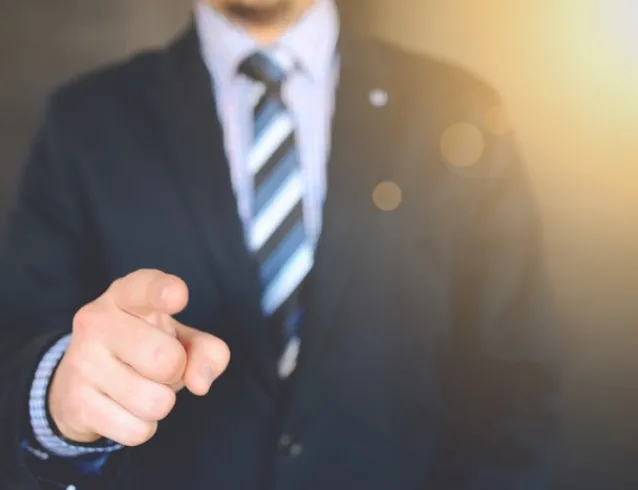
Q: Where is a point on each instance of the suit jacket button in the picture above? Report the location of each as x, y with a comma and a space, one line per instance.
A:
290, 446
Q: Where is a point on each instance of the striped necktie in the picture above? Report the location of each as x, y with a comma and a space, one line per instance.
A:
277, 235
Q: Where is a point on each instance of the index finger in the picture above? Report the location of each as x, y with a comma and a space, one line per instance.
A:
148, 291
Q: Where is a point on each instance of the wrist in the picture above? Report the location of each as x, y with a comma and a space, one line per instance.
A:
56, 419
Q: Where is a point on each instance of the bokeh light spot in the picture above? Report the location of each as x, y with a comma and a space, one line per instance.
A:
462, 144
387, 196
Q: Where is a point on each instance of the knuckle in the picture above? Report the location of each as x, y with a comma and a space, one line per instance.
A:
160, 402
78, 405
86, 319
75, 367
167, 361
138, 432
83, 363
117, 283
147, 275
123, 285
149, 272
118, 287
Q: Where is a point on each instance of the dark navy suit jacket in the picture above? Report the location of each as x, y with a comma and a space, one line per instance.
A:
429, 352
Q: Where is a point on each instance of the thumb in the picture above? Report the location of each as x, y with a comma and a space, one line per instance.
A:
206, 358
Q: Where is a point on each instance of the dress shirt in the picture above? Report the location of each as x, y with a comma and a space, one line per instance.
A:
309, 93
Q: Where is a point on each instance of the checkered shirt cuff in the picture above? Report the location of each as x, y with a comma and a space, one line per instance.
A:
40, 424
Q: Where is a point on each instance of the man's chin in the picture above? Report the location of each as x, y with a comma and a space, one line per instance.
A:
258, 14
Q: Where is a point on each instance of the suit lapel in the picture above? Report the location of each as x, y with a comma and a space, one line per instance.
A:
363, 119
199, 164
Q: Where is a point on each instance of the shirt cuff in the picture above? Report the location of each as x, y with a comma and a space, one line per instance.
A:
45, 435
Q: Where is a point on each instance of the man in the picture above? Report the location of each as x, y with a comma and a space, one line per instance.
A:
269, 189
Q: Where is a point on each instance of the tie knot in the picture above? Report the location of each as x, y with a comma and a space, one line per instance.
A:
263, 68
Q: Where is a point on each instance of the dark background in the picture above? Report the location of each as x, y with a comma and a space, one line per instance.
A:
569, 94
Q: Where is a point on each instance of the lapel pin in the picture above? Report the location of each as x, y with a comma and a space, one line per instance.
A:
387, 196
378, 97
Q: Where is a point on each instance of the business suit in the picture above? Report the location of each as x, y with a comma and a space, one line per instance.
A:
403, 306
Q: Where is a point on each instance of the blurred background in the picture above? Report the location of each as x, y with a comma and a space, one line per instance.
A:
568, 72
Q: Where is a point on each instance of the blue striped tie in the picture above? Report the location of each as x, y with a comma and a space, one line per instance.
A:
277, 235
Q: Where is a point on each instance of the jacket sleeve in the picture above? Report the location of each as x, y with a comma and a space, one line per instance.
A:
503, 375
47, 272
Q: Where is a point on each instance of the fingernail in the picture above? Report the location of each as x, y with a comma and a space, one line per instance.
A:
207, 374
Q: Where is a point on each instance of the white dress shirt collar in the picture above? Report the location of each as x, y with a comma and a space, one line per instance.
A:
311, 42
